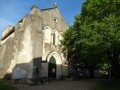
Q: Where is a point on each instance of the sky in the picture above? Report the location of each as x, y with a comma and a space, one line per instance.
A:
11, 11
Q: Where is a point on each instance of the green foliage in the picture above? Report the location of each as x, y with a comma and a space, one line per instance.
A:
105, 66
95, 35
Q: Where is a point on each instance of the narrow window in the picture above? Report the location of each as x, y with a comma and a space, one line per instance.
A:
53, 38
47, 38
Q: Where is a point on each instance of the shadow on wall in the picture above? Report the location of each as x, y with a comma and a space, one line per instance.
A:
35, 71
29, 70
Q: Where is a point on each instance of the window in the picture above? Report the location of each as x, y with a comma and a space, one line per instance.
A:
47, 37
55, 19
60, 37
53, 38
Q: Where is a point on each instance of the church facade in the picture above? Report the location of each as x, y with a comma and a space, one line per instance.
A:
32, 49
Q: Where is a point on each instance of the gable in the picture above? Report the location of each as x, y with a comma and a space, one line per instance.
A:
51, 17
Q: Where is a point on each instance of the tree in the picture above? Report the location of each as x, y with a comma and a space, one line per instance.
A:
95, 35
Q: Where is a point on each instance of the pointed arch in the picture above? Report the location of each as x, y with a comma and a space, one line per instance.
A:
47, 34
58, 65
55, 37
56, 56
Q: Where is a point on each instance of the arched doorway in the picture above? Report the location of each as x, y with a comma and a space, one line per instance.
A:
55, 58
52, 68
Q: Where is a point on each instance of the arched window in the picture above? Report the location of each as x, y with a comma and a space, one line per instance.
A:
55, 38
60, 37
47, 35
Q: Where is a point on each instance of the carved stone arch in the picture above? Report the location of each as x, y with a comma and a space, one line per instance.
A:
47, 27
56, 56
58, 65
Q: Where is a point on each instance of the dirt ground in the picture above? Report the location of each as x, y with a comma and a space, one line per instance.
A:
86, 84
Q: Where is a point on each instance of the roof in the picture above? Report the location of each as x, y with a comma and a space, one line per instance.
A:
6, 35
54, 6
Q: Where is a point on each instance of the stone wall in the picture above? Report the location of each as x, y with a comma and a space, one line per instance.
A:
21, 53
24, 50
6, 55
53, 22
49, 15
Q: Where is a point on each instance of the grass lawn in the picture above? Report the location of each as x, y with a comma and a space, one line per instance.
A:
4, 85
104, 85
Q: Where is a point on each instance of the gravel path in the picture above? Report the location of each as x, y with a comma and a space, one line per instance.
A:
61, 85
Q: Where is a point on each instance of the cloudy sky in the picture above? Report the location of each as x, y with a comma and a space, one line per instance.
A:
11, 11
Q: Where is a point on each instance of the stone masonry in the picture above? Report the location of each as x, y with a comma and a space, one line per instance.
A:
28, 49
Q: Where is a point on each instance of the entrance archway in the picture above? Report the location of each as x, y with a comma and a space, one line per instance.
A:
52, 68
56, 61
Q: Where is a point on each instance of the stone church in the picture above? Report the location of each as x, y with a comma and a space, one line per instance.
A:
32, 49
